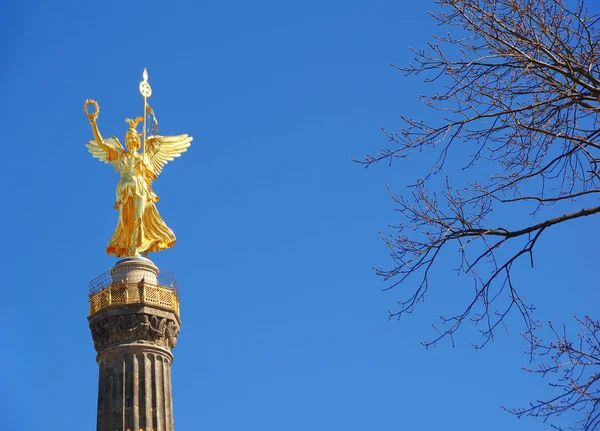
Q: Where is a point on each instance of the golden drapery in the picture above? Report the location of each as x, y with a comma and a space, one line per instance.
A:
140, 227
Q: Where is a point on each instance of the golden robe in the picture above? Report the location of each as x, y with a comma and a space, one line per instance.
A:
140, 227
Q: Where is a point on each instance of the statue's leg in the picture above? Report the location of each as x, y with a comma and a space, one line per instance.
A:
138, 231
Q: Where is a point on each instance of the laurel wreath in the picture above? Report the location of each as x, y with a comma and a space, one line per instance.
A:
91, 102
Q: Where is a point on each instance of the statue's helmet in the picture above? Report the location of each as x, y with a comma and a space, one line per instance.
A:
132, 137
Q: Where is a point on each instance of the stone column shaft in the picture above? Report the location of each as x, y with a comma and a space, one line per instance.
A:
134, 390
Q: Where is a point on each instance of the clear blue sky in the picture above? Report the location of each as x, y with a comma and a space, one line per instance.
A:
284, 322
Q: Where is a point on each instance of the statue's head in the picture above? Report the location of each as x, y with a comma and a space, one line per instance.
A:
132, 137
132, 140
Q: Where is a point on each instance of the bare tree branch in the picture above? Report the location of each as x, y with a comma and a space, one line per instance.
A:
573, 367
518, 84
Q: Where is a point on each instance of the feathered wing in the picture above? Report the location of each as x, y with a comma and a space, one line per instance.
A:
106, 156
161, 150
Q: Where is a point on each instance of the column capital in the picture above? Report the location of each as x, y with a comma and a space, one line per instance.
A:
142, 328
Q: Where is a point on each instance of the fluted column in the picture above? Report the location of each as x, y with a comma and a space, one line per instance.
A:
134, 342
134, 390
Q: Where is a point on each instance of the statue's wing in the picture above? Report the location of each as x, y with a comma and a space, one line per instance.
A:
107, 156
161, 150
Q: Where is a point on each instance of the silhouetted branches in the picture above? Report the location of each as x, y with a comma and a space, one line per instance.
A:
519, 85
573, 367
520, 88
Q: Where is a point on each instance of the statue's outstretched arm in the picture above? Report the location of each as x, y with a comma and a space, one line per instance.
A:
105, 150
97, 134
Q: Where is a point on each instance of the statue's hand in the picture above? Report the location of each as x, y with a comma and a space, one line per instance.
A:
92, 117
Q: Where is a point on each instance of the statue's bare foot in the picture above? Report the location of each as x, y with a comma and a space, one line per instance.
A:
134, 253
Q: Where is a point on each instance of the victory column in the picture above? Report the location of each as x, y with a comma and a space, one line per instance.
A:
134, 307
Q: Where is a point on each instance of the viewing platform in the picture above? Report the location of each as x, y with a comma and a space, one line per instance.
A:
140, 286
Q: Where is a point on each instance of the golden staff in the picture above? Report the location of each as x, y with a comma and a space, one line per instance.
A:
146, 92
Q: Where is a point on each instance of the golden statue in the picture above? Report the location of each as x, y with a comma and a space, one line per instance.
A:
140, 228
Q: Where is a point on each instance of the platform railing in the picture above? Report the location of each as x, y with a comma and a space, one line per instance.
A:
134, 293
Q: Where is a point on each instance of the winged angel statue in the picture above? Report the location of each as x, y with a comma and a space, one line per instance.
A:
140, 228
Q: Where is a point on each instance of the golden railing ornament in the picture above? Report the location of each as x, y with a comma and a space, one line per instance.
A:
134, 293
109, 290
